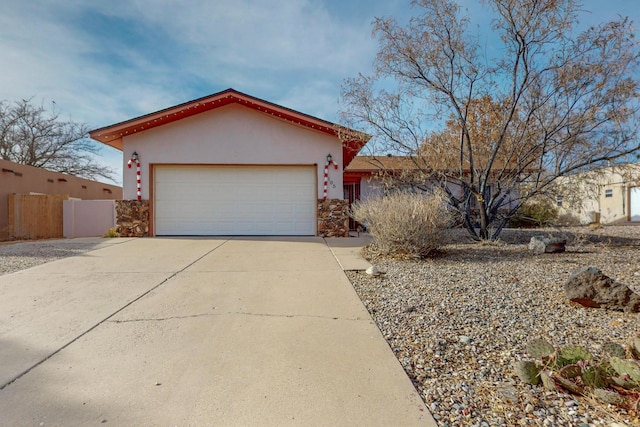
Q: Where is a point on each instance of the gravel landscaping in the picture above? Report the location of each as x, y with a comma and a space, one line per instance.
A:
459, 321
16, 256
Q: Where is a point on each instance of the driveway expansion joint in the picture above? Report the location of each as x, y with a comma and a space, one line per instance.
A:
237, 313
104, 320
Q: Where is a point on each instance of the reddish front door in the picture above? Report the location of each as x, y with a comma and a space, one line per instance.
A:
352, 193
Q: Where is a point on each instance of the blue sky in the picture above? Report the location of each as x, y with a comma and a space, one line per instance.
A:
107, 61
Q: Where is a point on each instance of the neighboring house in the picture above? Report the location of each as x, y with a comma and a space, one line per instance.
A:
22, 179
233, 164
609, 195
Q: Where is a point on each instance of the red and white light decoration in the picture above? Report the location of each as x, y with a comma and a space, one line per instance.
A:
326, 174
134, 158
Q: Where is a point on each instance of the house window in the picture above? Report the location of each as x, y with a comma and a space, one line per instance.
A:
608, 192
559, 201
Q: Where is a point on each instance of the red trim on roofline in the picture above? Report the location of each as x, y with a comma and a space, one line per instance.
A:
112, 135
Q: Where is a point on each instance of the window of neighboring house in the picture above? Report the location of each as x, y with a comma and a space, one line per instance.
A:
608, 192
559, 201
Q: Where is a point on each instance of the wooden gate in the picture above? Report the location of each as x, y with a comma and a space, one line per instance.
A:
35, 216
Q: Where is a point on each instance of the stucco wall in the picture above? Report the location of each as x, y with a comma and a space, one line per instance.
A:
370, 188
232, 135
585, 195
22, 179
88, 218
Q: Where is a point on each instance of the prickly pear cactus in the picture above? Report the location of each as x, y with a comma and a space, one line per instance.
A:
527, 371
539, 349
624, 381
614, 349
635, 347
573, 354
547, 381
607, 396
570, 371
569, 385
606, 368
593, 376
626, 367
573, 369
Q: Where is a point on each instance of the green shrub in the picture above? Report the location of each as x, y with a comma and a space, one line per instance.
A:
405, 222
538, 213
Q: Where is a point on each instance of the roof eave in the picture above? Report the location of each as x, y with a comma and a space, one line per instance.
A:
112, 135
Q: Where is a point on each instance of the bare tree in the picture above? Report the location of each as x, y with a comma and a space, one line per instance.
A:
496, 125
31, 136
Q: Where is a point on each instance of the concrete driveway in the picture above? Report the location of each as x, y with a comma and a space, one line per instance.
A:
196, 331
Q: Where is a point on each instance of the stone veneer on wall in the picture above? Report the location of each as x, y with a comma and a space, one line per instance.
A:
132, 218
333, 218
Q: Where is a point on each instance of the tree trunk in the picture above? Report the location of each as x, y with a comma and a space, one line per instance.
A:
484, 220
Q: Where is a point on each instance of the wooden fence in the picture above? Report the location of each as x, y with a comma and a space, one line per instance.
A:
35, 216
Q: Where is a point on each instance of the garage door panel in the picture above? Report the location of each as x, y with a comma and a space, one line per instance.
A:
214, 200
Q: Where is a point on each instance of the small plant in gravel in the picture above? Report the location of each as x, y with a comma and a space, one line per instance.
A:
614, 379
405, 223
112, 232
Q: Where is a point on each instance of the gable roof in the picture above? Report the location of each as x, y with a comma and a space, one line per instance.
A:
112, 135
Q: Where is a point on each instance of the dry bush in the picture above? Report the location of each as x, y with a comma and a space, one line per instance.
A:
534, 213
405, 222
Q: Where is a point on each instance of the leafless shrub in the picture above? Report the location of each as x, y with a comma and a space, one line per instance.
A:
405, 222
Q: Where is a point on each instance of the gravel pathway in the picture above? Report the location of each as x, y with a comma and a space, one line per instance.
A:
458, 322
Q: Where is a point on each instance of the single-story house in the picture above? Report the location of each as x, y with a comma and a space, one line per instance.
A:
609, 195
233, 164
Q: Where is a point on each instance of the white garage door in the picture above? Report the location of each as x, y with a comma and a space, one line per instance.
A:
234, 200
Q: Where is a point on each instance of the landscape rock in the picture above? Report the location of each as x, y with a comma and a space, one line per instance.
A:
543, 244
589, 287
372, 271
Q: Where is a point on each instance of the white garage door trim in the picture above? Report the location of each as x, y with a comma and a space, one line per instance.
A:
234, 200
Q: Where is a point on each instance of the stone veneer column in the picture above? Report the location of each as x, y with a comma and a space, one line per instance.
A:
333, 218
132, 218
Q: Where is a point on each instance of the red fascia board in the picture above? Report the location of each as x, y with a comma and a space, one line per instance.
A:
112, 135
109, 133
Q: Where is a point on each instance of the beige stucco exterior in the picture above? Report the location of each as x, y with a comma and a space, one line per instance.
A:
231, 135
603, 195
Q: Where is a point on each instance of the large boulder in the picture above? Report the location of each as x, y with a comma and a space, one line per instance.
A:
590, 288
542, 244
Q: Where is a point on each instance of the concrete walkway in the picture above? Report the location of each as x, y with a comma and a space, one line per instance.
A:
347, 252
177, 331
